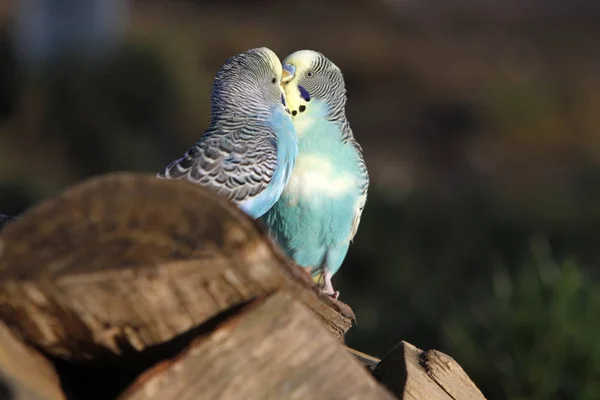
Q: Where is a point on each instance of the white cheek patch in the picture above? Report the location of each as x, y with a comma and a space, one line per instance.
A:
314, 177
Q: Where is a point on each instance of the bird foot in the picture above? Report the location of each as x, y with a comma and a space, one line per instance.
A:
328, 287
334, 294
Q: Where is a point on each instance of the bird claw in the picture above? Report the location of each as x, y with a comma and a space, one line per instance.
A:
328, 287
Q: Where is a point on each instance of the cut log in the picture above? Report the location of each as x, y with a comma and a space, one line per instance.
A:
126, 261
24, 373
450, 376
368, 361
273, 349
411, 373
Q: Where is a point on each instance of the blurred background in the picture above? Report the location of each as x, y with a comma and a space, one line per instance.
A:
480, 122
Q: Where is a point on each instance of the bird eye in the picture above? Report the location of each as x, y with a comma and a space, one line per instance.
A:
309, 74
273, 80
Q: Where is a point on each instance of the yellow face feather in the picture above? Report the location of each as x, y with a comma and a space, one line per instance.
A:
274, 60
295, 67
302, 60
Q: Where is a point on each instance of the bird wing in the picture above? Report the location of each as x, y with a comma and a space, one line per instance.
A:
364, 184
237, 162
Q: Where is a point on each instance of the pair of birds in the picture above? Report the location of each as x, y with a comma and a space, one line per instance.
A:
279, 146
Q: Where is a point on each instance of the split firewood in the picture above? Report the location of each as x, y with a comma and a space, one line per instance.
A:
274, 348
126, 261
24, 373
411, 373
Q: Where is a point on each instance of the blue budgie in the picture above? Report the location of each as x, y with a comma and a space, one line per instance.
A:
248, 152
319, 211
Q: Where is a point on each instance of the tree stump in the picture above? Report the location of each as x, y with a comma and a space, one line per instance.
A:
411, 373
25, 374
126, 261
272, 349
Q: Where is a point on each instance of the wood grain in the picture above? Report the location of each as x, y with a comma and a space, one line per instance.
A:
24, 373
411, 373
368, 361
274, 349
450, 376
126, 261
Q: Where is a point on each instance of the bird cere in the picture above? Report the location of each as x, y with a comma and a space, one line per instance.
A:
280, 147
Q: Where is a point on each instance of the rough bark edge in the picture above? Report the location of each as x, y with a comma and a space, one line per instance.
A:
411, 373
33, 375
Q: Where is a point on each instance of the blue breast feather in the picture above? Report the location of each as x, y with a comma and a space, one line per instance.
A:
287, 151
316, 228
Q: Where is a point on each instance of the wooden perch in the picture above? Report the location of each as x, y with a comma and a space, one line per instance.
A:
411, 373
128, 273
25, 374
274, 348
126, 261
368, 361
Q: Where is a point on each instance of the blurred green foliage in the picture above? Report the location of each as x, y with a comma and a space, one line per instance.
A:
460, 276
532, 334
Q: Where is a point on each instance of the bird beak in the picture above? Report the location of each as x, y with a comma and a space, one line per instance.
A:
288, 73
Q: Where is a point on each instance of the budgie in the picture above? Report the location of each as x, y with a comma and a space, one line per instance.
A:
249, 149
319, 211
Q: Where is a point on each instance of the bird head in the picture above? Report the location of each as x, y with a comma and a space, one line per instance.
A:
308, 76
247, 79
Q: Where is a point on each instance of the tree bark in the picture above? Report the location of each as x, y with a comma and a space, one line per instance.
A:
273, 349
